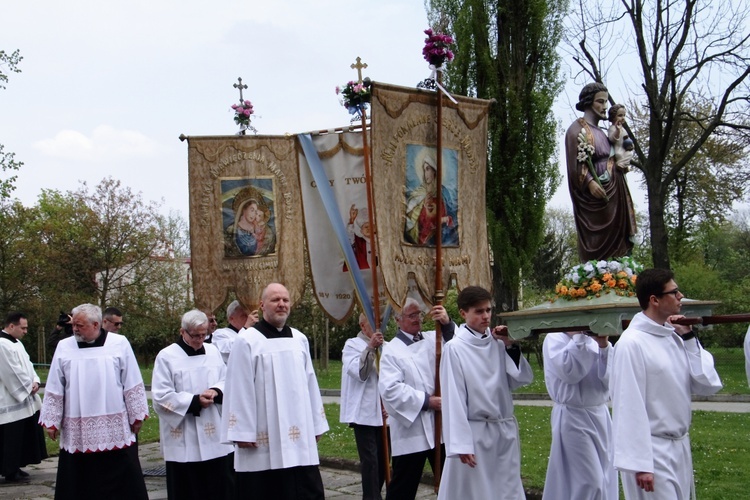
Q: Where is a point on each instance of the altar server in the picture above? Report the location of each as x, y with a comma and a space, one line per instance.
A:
576, 371
95, 402
479, 369
657, 366
407, 386
273, 411
361, 408
187, 388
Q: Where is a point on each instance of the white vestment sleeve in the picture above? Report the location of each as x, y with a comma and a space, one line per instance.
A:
134, 392
320, 423
14, 375
239, 419
54, 397
520, 375
457, 433
402, 401
169, 404
633, 444
570, 361
704, 380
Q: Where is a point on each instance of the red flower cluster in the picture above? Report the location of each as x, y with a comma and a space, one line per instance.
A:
436, 49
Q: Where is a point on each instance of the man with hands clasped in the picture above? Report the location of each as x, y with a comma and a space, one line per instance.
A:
187, 388
656, 368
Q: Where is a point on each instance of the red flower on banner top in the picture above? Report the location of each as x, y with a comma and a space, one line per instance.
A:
242, 112
437, 48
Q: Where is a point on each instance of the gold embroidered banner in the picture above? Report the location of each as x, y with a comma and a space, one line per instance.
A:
404, 130
245, 218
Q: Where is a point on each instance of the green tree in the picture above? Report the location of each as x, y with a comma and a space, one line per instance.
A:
506, 51
687, 52
9, 62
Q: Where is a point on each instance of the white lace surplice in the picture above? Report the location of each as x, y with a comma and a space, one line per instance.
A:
93, 395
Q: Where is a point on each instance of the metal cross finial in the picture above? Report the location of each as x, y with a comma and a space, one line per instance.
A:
239, 86
359, 66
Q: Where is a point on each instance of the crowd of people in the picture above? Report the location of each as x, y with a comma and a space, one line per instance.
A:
240, 410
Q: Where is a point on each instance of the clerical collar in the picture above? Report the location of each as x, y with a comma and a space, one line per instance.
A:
189, 350
231, 327
407, 338
98, 342
271, 332
5, 335
477, 334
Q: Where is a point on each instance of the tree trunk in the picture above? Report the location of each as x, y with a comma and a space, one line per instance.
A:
659, 234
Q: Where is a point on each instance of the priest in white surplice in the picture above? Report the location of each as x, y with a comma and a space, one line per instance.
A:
238, 318
95, 402
21, 438
407, 386
273, 411
656, 368
576, 371
479, 369
187, 388
361, 408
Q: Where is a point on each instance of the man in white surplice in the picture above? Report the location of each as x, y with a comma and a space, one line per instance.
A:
576, 371
238, 318
187, 388
479, 369
96, 402
407, 386
655, 369
273, 411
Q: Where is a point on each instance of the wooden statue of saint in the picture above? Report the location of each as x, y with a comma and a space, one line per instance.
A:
602, 206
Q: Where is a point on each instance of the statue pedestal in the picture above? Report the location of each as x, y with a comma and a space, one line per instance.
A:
602, 315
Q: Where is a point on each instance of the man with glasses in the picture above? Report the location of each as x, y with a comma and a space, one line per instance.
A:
95, 402
656, 368
187, 387
112, 320
407, 386
212, 325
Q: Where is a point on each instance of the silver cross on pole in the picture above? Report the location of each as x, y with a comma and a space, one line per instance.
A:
240, 86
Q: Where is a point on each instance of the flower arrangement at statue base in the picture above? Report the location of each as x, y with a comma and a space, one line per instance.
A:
598, 278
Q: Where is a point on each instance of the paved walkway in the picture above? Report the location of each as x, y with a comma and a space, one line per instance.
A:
340, 484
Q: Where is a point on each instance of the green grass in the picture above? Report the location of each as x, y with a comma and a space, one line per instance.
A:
730, 363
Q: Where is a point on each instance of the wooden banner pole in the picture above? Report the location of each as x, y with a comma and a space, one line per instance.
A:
439, 293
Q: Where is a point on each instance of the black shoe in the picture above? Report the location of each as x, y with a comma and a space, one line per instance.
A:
22, 473
16, 478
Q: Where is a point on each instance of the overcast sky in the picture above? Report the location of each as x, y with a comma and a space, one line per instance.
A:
107, 87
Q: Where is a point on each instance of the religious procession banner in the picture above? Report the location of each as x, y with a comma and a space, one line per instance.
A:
337, 222
404, 154
245, 218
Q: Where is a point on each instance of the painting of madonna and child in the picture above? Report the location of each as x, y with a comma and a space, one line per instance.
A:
420, 227
248, 216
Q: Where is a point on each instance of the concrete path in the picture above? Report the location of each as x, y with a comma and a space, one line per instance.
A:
340, 484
